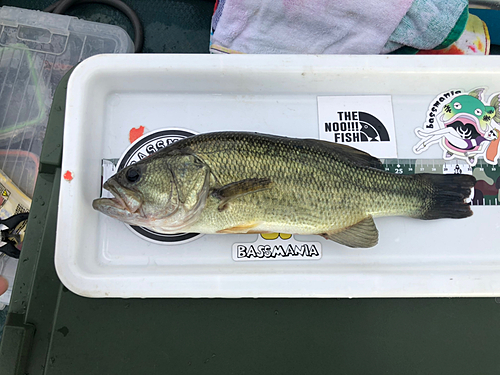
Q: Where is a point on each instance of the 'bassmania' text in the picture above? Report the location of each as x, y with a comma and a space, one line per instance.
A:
244, 251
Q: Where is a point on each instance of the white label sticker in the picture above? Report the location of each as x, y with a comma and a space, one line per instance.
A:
363, 122
276, 249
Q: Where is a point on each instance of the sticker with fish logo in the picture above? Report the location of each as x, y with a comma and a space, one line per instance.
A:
140, 149
364, 122
277, 246
464, 124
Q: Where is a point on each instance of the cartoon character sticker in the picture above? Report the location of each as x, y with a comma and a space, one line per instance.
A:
465, 127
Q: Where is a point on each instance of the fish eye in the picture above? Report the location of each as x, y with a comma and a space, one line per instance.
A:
457, 105
133, 175
478, 112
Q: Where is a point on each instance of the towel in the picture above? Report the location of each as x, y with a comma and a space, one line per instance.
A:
305, 26
430, 24
475, 40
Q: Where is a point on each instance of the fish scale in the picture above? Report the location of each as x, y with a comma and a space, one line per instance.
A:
351, 192
236, 182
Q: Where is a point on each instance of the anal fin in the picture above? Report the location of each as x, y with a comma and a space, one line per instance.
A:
363, 234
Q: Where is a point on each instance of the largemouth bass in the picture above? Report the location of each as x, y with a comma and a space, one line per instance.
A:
238, 182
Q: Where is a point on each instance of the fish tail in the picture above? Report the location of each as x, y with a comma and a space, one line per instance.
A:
447, 194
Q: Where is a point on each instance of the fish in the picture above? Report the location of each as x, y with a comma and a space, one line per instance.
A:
370, 132
243, 182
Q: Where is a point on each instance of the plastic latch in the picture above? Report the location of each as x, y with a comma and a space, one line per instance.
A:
34, 34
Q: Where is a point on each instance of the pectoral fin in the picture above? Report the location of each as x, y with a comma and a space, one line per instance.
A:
363, 234
240, 188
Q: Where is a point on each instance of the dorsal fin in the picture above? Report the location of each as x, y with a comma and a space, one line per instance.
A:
347, 152
477, 93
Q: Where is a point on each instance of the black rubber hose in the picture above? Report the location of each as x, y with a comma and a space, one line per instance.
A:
62, 6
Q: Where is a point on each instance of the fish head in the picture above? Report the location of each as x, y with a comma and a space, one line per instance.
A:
142, 194
369, 131
161, 193
471, 107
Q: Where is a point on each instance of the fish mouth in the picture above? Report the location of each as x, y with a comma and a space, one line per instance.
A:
467, 126
117, 200
124, 201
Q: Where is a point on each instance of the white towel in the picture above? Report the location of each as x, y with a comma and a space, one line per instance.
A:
307, 26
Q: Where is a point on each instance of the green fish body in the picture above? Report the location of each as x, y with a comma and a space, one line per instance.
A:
237, 182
